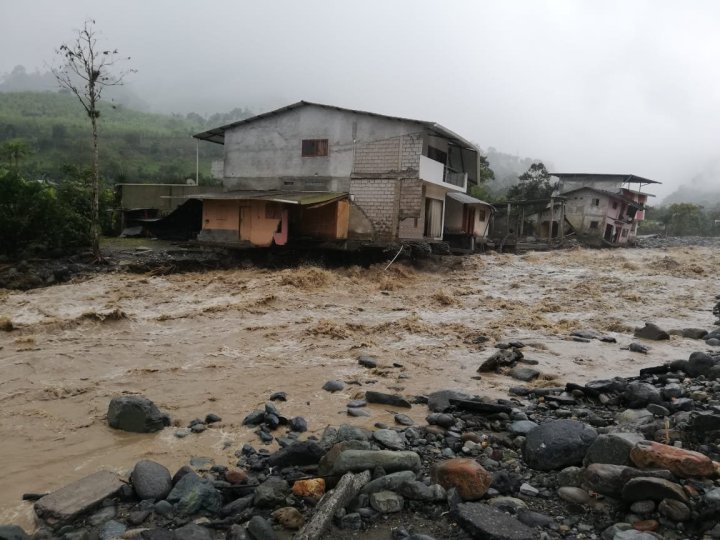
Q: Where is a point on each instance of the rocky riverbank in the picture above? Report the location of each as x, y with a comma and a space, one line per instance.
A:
620, 458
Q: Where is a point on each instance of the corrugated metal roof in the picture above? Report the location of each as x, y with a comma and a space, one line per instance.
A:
302, 198
466, 199
217, 135
629, 178
618, 196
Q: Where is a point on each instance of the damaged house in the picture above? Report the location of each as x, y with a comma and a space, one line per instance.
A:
324, 175
605, 208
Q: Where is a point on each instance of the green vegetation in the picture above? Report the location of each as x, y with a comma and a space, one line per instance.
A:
681, 219
134, 146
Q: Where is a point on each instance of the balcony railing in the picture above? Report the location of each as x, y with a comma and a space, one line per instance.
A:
437, 173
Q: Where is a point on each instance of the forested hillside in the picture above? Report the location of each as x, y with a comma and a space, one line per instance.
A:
135, 146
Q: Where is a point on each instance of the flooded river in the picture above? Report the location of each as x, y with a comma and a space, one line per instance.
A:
223, 341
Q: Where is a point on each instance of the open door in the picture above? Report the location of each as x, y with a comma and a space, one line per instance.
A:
433, 218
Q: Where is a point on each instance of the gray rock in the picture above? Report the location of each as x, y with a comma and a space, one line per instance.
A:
524, 374
237, 506
260, 529
535, 519
163, 508
157, 534
528, 490
65, 504
655, 489
694, 333
658, 410
368, 460
574, 495
558, 444
500, 359
355, 412
632, 534
508, 504
440, 401
634, 418
255, 418
151, 480
483, 521
700, 363
386, 502
522, 427
404, 420
298, 424
347, 432
136, 414
192, 531
198, 428
440, 419
387, 399
651, 331
613, 448
351, 522
672, 390
639, 394
642, 507
418, 491
389, 482
112, 529
101, 516
12, 532
299, 453
271, 492
333, 386
608, 479
181, 433
675, 510
570, 477
367, 361
193, 494
389, 439
355, 403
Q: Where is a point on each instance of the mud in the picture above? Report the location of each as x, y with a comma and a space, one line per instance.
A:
222, 341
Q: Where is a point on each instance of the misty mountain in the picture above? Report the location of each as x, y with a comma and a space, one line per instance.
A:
19, 80
507, 169
702, 189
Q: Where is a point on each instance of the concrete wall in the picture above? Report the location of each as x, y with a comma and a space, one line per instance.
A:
580, 212
270, 148
164, 197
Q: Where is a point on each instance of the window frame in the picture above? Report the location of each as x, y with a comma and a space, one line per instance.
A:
314, 148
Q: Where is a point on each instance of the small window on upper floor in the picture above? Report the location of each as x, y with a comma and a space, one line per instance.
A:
594, 224
314, 147
596, 202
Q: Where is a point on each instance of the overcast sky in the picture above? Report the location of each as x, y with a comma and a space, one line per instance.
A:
602, 86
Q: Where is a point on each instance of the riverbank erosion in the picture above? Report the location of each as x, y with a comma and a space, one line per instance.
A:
223, 342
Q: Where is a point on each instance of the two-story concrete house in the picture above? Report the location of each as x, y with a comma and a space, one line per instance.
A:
604, 206
319, 173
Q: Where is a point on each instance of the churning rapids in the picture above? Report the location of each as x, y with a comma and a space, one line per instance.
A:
222, 341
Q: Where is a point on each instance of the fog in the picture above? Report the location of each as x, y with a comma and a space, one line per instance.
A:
611, 86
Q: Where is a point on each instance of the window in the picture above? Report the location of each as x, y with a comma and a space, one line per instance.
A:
314, 147
614, 205
624, 233
437, 154
594, 224
596, 202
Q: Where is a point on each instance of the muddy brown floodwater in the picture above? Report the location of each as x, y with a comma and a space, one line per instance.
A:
223, 341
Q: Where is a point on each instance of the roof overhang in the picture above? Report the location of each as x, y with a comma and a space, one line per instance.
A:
299, 198
467, 199
625, 178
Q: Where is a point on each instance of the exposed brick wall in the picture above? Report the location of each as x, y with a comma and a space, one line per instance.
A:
412, 146
411, 198
377, 157
378, 198
388, 155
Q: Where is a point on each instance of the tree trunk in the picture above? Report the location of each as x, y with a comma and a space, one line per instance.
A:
95, 207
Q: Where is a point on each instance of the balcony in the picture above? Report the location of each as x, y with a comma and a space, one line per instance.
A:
437, 173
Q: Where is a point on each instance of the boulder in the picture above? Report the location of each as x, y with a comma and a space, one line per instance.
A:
680, 462
500, 359
440, 401
387, 399
389, 439
651, 331
136, 414
613, 448
151, 480
389, 482
655, 489
483, 521
260, 529
386, 502
558, 444
193, 494
639, 394
299, 453
368, 460
467, 476
65, 504
192, 531
271, 492
13, 532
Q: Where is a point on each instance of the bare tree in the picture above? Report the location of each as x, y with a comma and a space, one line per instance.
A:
86, 71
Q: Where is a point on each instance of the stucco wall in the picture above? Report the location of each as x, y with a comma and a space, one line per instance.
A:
580, 212
270, 148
